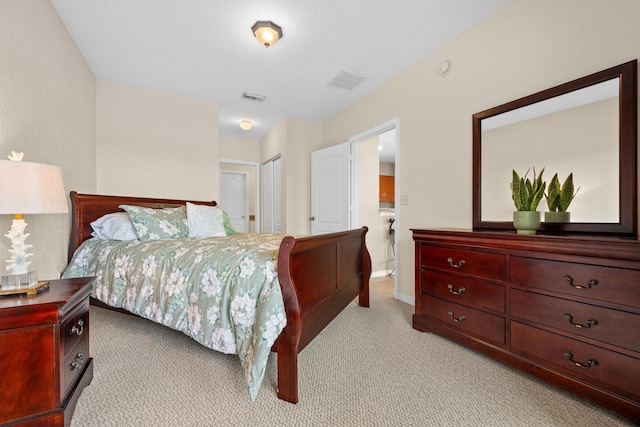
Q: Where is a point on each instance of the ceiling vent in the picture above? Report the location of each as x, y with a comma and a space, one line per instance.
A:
253, 97
347, 80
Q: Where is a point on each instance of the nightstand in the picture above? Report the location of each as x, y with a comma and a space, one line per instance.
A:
44, 353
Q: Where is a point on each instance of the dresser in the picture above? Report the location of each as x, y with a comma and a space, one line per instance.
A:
44, 354
564, 309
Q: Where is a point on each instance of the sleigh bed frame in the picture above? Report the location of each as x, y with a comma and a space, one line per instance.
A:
319, 277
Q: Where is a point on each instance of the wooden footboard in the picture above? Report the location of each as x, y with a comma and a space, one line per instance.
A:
319, 276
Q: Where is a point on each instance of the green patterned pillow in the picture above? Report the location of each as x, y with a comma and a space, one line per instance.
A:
158, 224
228, 228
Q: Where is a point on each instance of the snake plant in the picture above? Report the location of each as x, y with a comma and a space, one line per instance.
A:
559, 198
526, 194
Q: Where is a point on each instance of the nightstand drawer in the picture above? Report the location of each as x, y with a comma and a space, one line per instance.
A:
74, 362
464, 291
478, 264
580, 358
476, 322
603, 324
37, 351
75, 326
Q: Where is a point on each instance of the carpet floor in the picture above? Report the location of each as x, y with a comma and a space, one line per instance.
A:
369, 367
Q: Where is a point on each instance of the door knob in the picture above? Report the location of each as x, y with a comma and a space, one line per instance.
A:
313, 218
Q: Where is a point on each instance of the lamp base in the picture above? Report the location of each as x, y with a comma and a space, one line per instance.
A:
18, 282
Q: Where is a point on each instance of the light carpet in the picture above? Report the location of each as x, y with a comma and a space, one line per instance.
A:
369, 367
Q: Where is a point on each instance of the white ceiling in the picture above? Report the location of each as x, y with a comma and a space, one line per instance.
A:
205, 48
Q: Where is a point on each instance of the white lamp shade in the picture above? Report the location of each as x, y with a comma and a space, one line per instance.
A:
31, 188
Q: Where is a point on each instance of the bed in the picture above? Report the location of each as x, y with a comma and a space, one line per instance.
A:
317, 276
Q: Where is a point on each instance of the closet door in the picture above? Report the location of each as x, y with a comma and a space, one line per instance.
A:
268, 202
277, 195
272, 193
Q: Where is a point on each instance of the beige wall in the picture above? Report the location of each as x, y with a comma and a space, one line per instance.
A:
47, 111
303, 137
387, 168
523, 48
239, 148
156, 144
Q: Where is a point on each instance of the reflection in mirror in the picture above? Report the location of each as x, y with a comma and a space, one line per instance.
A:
573, 133
587, 127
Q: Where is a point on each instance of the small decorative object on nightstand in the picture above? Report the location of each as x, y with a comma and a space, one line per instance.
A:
44, 353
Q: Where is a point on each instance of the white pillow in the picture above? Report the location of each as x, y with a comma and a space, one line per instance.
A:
114, 226
205, 221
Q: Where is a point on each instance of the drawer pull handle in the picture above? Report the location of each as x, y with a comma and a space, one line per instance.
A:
590, 283
590, 362
77, 363
458, 292
458, 265
78, 328
458, 320
590, 322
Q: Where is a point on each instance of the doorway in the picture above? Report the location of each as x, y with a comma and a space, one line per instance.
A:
252, 210
376, 153
234, 198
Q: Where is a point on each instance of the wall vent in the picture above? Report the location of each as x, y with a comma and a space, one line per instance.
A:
347, 80
253, 97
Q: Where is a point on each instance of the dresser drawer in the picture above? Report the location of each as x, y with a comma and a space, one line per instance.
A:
75, 325
605, 366
478, 264
465, 291
603, 324
476, 322
617, 285
74, 363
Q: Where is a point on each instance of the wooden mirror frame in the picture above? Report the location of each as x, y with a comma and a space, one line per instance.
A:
628, 119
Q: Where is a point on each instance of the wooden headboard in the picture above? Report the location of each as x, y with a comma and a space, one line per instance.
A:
86, 208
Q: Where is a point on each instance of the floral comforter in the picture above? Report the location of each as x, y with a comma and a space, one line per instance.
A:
221, 291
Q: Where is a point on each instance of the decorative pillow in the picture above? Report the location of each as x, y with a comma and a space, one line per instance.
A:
205, 221
228, 228
158, 224
114, 226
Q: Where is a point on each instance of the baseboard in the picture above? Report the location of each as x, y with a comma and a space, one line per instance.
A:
406, 299
381, 273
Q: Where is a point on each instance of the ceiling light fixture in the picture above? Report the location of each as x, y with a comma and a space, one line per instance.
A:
246, 124
267, 33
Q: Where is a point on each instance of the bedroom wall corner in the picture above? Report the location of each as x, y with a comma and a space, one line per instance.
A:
156, 144
303, 137
293, 138
47, 111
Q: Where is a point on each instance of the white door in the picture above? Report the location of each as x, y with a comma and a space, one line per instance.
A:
277, 195
272, 191
267, 182
234, 199
330, 188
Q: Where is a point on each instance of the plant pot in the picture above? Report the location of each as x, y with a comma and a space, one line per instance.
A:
557, 216
526, 222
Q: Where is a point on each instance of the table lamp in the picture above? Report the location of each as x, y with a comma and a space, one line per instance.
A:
27, 188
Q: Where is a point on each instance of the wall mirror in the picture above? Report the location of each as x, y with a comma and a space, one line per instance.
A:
587, 127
